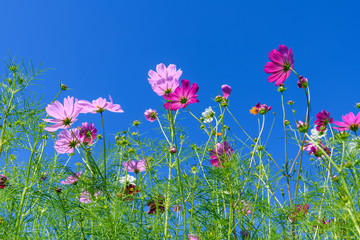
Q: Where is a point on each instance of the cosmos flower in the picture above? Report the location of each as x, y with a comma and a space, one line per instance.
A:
151, 115
72, 179
226, 89
64, 115
193, 237
129, 191
156, 203
302, 82
221, 153
315, 134
351, 122
314, 150
86, 197
68, 141
282, 62
88, 132
260, 108
208, 115
99, 105
4, 181
135, 166
127, 179
164, 80
182, 96
322, 120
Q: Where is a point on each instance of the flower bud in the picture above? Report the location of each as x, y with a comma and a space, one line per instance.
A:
286, 122
281, 88
218, 99
136, 123
172, 150
13, 68
63, 87
290, 102
335, 178
303, 127
358, 105
260, 148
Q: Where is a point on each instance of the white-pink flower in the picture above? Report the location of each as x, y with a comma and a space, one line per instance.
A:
64, 115
72, 179
164, 80
85, 196
99, 105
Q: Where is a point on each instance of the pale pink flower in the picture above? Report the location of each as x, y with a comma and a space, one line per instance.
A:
88, 132
182, 96
151, 115
164, 80
64, 115
193, 237
72, 179
135, 166
226, 89
86, 197
68, 140
282, 62
351, 122
99, 105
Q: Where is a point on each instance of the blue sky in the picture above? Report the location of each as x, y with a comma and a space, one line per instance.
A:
99, 48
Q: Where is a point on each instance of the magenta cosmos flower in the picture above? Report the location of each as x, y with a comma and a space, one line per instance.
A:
156, 204
260, 108
64, 115
135, 166
151, 115
72, 179
99, 105
4, 181
314, 150
226, 89
282, 62
88, 132
68, 141
221, 153
193, 237
182, 96
86, 197
164, 80
351, 122
322, 119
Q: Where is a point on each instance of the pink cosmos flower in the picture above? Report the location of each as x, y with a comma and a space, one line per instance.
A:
72, 179
88, 132
151, 115
280, 66
260, 108
68, 141
314, 150
221, 153
99, 105
302, 82
226, 89
193, 237
135, 166
182, 96
351, 122
86, 197
322, 119
177, 208
4, 181
64, 115
164, 80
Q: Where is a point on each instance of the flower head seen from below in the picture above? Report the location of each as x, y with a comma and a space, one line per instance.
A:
68, 141
226, 89
302, 82
87, 197
99, 105
151, 115
315, 134
129, 191
193, 237
72, 179
64, 115
156, 204
88, 132
302, 126
182, 96
350, 122
208, 115
4, 181
282, 62
127, 179
221, 153
135, 166
165, 80
322, 120
260, 108
314, 150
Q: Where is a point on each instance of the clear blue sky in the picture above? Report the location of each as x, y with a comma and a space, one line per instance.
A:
107, 47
